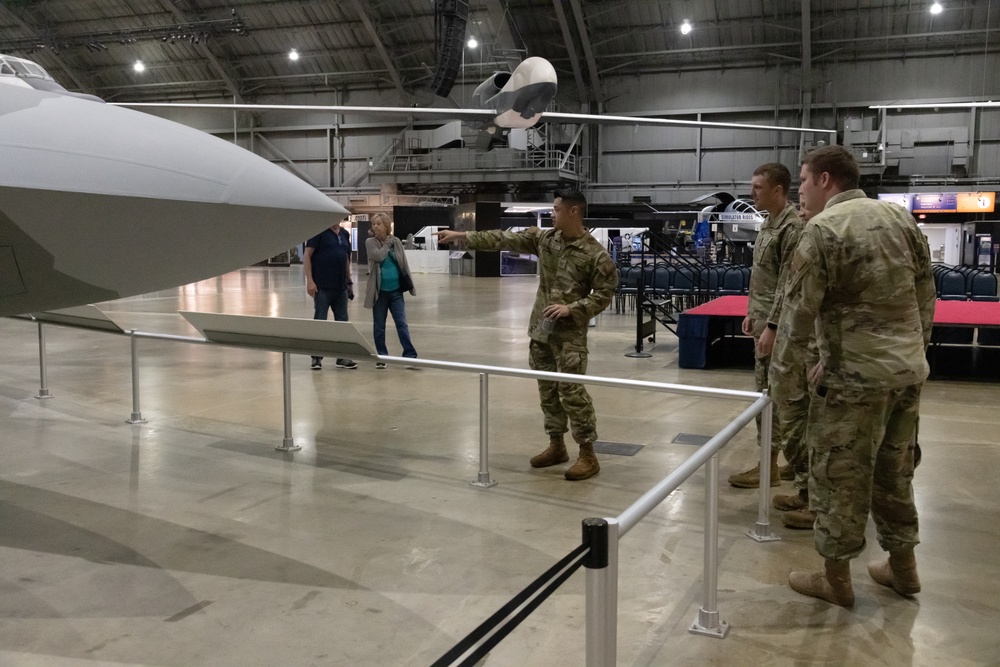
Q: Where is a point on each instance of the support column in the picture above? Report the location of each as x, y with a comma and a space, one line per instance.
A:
602, 591
708, 622
806, 80
288, 443
43, 371
762, 531
136, 417
483, 480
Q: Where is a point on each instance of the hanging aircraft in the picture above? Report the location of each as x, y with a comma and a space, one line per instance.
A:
98, 202
505, 100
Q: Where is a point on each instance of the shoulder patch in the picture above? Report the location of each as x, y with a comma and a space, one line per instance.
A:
607, 266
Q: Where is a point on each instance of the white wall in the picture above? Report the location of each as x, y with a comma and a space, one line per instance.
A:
944, 241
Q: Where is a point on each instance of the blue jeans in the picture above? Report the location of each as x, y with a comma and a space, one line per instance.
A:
328, 299
391, 302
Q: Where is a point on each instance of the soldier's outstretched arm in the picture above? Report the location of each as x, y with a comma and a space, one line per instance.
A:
448, 235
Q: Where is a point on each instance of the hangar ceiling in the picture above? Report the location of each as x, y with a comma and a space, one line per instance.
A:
208, 49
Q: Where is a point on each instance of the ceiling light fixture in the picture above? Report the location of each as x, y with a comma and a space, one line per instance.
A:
138, 66
473, 43
293, 55
686, 27
936, 8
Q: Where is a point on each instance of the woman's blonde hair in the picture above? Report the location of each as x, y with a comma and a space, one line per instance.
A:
384, 219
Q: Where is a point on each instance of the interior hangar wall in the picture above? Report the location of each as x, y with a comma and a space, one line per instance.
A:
671, 165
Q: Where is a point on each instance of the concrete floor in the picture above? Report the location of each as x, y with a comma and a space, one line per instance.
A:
191, 541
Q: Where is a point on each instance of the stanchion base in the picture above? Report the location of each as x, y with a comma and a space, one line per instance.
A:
719, 632
44, 393
484, 481
136, 418
639, 355
762, 533
288, 445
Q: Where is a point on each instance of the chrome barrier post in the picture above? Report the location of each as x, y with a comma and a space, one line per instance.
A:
136, 417
288, 443
483, 480
708, 622
43, 371
602, 591
762, 531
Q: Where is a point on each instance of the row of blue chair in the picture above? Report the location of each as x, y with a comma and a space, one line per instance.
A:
667, 280
961, 283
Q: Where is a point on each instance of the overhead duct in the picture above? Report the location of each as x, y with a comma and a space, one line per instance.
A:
450, 19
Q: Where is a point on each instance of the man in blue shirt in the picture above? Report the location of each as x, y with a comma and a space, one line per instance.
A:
327, 264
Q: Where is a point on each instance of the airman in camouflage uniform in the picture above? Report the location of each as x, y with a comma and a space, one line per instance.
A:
772, 250
864, 268
577, 280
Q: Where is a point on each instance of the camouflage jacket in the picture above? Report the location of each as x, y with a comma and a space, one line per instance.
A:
772, 252
577, 273
864, 268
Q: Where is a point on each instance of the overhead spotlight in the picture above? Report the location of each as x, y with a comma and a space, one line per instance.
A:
936, 8
685, 27
473, 43
138, 66
293, 55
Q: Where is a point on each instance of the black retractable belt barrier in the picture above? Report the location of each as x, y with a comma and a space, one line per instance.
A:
505, 619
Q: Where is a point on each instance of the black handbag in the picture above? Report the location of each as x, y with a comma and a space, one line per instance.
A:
405, 282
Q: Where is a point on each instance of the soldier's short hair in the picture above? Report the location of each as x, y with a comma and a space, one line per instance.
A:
776, 174
836, 161
573, 197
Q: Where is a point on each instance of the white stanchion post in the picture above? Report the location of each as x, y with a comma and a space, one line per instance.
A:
602, 591
484, 480
762, 531
708, 622
43, 371
136, 417
288, 443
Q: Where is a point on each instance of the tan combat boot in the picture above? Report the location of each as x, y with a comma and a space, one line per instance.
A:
791, 502
787, 472
750, 479
585, 466
553, 455
800, 519
898, 573
832, 585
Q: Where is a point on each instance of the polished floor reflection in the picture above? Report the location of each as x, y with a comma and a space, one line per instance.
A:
190, 541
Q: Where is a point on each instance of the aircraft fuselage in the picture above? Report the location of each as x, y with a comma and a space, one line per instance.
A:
99, 202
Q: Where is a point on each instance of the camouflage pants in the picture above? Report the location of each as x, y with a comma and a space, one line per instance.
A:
791, 413
760, 370
861, 460
562, 401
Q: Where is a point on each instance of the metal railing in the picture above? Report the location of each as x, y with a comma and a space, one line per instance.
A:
472, 160
602, 582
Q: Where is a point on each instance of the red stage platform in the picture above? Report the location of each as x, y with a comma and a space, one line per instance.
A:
955, 322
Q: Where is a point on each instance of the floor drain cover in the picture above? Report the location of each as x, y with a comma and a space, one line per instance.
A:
690, 439
619, 448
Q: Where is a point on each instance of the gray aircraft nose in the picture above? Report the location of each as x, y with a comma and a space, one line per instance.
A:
100, 201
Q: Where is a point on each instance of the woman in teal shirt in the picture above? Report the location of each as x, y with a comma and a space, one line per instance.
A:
389, 276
